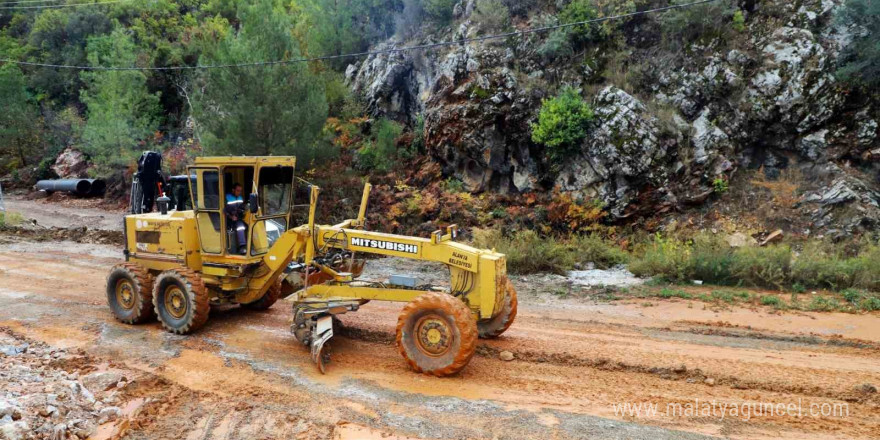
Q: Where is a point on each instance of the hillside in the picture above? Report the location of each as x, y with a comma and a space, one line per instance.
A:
760, 114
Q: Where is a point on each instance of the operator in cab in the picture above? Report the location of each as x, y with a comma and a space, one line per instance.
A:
234, 214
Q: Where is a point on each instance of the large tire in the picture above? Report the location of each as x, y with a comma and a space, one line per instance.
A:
181, 300
498, 324
268, 298
437, 334
130, 293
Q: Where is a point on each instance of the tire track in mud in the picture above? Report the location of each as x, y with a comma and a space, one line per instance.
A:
486, 349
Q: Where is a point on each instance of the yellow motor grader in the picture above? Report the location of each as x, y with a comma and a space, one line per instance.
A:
180, 263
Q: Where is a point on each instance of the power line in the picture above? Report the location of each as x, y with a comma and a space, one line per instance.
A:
65, 5
373, 52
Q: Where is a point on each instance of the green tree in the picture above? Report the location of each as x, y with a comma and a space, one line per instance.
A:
380, 152
278, 109
20, 120
860, 62
334, 27
60, 36
562, 124
121, 112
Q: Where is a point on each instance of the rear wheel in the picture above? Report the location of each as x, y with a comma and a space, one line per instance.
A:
181, 300
130, 293
268, 298
437, 334
498, 324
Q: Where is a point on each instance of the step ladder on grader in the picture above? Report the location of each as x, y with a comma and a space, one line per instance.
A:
180, 263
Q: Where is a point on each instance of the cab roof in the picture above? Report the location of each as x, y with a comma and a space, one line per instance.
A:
246, 160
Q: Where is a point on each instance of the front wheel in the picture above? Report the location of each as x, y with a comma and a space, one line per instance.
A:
437, 334
493, 327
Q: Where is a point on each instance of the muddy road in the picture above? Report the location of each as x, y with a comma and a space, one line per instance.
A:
575, 366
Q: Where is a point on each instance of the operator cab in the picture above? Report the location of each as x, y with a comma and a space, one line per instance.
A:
261, 209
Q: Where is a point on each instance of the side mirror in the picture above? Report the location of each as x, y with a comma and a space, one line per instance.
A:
253, 203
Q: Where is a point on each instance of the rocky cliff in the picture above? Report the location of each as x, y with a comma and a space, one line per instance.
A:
671, 121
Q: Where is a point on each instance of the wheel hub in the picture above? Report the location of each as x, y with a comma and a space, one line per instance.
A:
125, 294
433, 335
175, 301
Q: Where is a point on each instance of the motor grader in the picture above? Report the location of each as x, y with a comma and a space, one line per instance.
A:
180, 263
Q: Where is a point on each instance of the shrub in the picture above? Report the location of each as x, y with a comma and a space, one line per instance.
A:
594, 249
739, 21
527, 252
686, 25
670, 293
520, 8
823, 304
491, 15
721, 185
581, 10
10, 218
820, 265
711, 259
860, 62
665, 258
762, 266
557, 45
380, 152
562, 124
440, 11
771, 300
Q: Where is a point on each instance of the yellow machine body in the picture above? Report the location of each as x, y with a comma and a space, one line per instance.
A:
160, 242
232, 248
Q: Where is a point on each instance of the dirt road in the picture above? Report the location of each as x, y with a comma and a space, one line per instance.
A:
576, 364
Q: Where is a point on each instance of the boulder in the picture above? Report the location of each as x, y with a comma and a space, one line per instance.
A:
14, 431
739, 239
101, 381
71, 163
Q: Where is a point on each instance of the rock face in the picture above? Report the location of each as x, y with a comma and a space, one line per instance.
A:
766, 99
621, 154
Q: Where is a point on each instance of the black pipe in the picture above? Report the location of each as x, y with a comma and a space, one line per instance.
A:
80, 187
98, 187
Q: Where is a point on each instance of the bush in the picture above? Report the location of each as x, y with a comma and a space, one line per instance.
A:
762, 266
860, 62
527, 252
665, 258
440, 11
820, 265
520, 8
380, 152
557, 45
491, 15
711, 259
594, 249
581, 10
562, 124
686, 25
10, 218
771, 300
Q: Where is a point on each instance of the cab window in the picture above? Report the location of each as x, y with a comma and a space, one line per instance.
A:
275, 189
